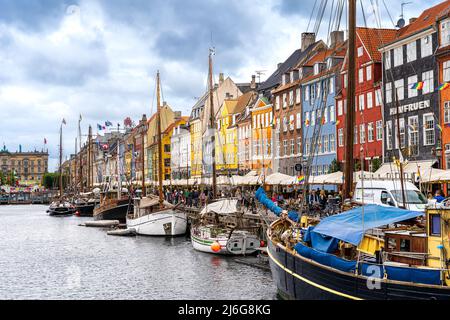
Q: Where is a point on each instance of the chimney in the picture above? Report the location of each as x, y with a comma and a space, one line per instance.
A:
279, 65
336, 38
220, 78
411, 20
253, 83
308, 38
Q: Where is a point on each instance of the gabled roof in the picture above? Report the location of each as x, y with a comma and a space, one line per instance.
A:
372, 39
424, 21
242, 102
275, 79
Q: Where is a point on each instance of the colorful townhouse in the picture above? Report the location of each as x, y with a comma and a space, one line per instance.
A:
443, 58
411, 78
261, 137
318, 107
288, 112
180, 160
368, 130
244, 132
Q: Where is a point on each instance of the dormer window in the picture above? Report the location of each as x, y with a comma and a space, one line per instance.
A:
318, 67
285, 78
329, 63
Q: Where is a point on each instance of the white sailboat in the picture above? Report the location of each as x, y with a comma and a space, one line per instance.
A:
152, 216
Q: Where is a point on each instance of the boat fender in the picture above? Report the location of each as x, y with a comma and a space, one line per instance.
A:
215, 247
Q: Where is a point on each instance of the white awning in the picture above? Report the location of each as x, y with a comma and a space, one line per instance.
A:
410, 169
280, 179
227, 206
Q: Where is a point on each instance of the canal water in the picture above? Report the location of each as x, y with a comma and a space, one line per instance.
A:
44, 257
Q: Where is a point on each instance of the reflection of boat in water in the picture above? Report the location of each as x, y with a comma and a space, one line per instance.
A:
149, 219
260, 261
221, 231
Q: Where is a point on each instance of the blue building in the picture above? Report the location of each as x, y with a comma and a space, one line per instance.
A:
318, 109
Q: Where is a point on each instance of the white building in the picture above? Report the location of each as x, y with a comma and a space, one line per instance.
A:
180, 161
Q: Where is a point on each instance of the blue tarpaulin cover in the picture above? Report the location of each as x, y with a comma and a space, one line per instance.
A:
350, 227
261, 196
319, 241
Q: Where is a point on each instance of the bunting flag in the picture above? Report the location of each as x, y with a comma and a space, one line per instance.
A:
99, 127
439, 127
307, 122
417, 86
301, 179
323, 120
108, 123
444, 86
337, 122
64, 121
45, 141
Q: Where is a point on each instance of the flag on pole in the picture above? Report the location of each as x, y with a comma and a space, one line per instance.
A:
64, 121
417, 86
301, 179
81, 118
45, 141
99, 127
108, 123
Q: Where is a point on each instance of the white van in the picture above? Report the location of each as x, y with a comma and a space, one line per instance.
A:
389, 193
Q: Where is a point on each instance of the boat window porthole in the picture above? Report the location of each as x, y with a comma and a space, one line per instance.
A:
235, 245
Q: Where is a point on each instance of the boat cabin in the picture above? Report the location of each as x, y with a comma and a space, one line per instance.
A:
406, 246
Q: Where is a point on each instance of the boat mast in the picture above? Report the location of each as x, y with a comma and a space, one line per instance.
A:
143, 193
90, 176
81, 156
119, 182
60, 163
159, 140
400, 156
350, 115
212, 125
76, 165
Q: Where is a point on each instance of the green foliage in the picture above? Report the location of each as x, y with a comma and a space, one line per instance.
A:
334, 167
376, 164
51, 180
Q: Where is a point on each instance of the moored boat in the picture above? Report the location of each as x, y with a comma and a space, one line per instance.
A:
61, 208
113, 208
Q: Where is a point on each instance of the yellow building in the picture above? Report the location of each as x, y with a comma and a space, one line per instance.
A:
199, 123
226, 139
29, 167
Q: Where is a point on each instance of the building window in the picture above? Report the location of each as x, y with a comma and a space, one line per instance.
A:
292, 147
360, 51
378, 97
307, 147
277, 102
398, 56
331, 86
332, 113
285, 147
369, 100
389, 135
400, 90
325, 115
411, 51
313, 118
446, 71
413, 135
361, 102
402, 134
361, 75
428, 129
332, 143
339, 108
447, 112
307, 89
285, 124
427, 78
426, 46
291, 122
284, 100
389, 92
411, 82
355, 135
345, 80
370, 132
445, 33
341, 137
307, 118
299, 144
379, 130
362, 132
298, 96
326, 146
387, 60
299, 121
291, 98
369, 72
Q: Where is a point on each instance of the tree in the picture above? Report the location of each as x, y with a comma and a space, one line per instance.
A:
376, 164
334, 167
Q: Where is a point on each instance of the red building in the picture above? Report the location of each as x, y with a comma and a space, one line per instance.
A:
368, 138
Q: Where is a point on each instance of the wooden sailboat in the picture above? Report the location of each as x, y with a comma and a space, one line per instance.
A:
61, 206
152, 216
357, 254
214, 233
114, 204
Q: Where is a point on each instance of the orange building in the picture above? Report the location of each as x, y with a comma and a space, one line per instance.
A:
262, 118
443, 58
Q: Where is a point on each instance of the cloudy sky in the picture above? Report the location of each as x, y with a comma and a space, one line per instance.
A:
63, 58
